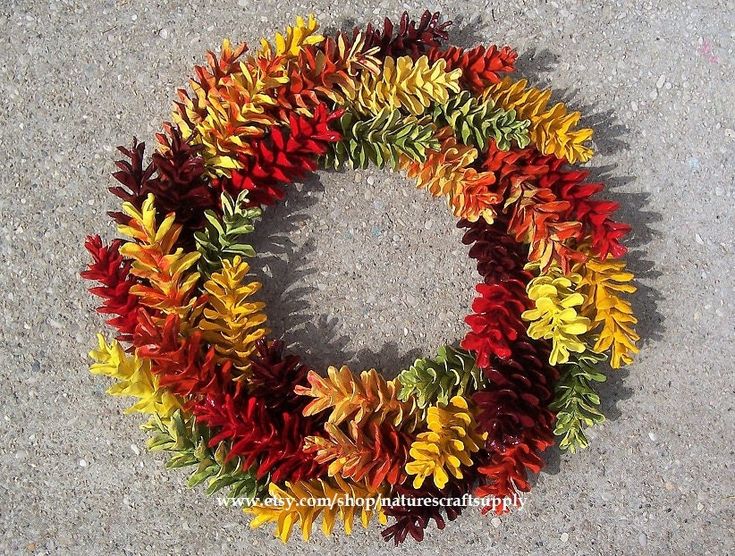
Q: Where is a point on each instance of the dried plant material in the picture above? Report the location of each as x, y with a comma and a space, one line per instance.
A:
553, 130
363, 398
293, 512
134, 379
447, 446
603, 284
555, 315
232, 321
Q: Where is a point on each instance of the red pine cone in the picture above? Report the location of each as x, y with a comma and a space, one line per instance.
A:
595, 216
508, 471
413, 517
513, 407
273, 440
112, 271
178, 359
284, 156
562, 196
496, 322
410, 39
274, 375
499, 257
175, 176
480, 65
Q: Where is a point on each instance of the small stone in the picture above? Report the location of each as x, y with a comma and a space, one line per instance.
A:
634, 106
653, 95
163, 33
83, 463
564, 537
652, 436
700, 507
371, 180
495, 522
135, 449
698, 239
642, 539
661, 81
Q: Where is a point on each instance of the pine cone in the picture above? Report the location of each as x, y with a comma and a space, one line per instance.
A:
481, 66
496, 320
479, 122
175, 176
112, 271
381, 139
282, 157
178, 360
406, 84
553, 130
447, 446
414, 516
371, 451
453, 372
188, 443
274, 375
513, 407
271, 440
222, 236
411, 38
499, 257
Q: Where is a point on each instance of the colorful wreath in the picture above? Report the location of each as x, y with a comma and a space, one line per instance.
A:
227, 400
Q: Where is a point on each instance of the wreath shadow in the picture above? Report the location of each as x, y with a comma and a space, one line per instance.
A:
319, 340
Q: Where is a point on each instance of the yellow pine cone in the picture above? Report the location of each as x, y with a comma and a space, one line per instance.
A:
405, 83
555, 316
134, 378
299, 508
603, 282
553, 130
231, 321
291, 42
451, 439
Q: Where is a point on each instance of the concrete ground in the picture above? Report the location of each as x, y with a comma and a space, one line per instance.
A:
373, 271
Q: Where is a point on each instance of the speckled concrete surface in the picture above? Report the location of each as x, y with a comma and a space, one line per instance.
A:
372, 273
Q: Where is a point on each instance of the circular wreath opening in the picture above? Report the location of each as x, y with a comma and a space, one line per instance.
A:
192, 342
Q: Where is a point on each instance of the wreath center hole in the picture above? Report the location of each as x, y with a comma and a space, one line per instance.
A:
360, 268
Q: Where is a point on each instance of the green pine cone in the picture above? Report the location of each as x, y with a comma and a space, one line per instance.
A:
451, 373
576, 402
381, 140
187, 441
475, 122
222, 236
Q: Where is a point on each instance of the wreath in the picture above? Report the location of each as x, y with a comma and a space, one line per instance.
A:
229, 401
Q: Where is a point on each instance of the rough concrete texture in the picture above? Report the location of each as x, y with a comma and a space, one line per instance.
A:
373, 271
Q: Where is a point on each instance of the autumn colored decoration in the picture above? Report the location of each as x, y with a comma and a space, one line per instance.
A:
181, 286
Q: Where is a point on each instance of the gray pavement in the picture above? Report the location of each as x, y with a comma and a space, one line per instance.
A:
374, 271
